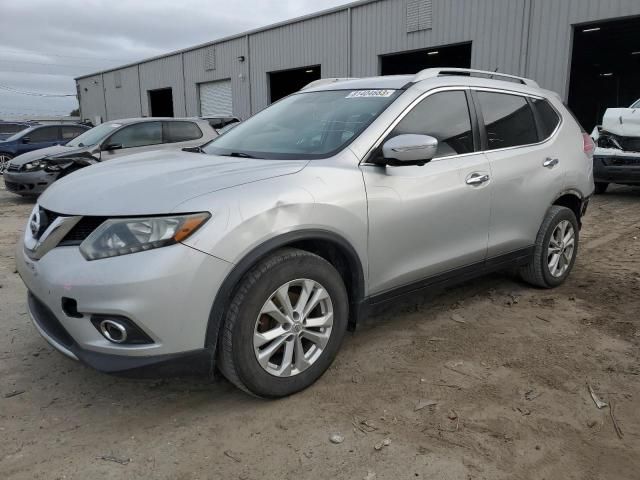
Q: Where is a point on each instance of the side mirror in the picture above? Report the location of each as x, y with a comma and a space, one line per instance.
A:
409, 150
112, 146
26, 140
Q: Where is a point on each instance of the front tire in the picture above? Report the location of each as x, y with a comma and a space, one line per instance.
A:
555, 251
284, 325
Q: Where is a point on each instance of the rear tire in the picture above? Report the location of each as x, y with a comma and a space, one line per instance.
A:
601, 188
270, 303
555, 250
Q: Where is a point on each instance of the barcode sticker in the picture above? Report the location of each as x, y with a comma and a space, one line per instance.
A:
371, 94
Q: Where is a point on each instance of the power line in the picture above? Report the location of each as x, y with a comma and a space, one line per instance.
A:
78, 65
36, 94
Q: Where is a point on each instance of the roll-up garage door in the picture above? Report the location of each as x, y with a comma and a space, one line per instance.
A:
216, 98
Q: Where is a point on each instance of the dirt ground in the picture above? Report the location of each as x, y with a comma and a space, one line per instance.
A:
485, 381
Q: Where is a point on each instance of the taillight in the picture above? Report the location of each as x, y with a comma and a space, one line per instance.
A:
588, 145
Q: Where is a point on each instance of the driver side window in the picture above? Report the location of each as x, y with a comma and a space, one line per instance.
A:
444, 116
137, 135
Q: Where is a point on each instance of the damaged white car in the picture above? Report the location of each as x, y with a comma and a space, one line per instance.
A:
617, 156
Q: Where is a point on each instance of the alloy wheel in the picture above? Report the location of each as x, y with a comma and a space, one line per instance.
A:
4, 163
561, 248
293, 328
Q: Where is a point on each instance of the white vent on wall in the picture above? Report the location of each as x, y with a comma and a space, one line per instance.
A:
419, 15
210, 59
117, 78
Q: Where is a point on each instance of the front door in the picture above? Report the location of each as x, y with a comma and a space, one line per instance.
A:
429, 220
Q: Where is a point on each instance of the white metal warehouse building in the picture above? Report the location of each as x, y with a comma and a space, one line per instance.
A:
586, 50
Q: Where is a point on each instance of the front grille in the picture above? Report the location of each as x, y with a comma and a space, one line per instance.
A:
81, 231
48, 322
14, 187
13, 168
620, 161
630, 144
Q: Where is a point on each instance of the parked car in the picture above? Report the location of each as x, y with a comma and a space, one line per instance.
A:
31, 173
8, 129
221, 123
343, 196
36, 137
617, 156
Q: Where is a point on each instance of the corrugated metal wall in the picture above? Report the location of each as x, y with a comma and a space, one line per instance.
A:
163, 73
227, 66
123, 101
527, 37
91, 99
319, 41
492, 26
551, 41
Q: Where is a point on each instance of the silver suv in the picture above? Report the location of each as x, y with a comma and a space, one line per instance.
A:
263, 248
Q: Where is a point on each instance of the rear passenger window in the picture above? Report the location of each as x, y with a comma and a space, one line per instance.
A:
549, 119
508, 119
444, 116
181, 132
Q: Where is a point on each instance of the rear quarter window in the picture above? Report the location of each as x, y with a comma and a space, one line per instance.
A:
547, 117
181, 132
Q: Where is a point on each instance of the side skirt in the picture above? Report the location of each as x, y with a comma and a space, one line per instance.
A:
447, 279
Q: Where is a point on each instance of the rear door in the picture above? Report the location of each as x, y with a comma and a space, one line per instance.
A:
526, 166
429, 220
40, 137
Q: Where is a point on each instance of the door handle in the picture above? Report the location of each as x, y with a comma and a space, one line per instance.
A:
550, 162
476, 179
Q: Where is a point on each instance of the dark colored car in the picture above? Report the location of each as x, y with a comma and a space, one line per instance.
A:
8, 129
36, 137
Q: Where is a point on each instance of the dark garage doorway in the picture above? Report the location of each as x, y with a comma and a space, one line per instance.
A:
605, 69
404, 63
286, 82
161, 102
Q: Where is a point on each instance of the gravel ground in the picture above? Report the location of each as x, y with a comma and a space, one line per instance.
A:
485, 381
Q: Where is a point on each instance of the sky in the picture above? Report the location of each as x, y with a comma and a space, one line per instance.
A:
45, 44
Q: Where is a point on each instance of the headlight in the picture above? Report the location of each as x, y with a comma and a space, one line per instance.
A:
35, 165
130, 235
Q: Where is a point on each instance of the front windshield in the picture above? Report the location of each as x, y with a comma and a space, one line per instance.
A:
636, 105
94, 136
305, 125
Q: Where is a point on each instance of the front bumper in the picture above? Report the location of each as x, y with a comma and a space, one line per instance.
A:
624, 169
28, 183
167, 293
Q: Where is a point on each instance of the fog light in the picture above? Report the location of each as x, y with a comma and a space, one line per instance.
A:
120, 330
113, 331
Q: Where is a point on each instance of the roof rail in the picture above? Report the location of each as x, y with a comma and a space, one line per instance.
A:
325, 81
441, 72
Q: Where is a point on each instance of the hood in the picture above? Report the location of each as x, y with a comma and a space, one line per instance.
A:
155, 183
45, 153
624, 122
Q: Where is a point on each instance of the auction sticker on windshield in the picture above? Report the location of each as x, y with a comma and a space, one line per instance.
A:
371, 94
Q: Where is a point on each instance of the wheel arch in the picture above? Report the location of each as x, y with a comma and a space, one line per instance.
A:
573, 200
328, 245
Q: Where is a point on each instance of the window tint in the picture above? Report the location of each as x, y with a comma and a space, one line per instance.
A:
444, 116
69, 133
138, 135
508, 119
548, 117
181, 132
44, 134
